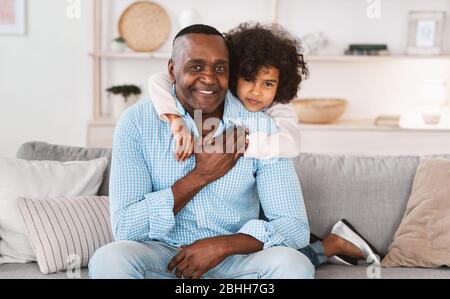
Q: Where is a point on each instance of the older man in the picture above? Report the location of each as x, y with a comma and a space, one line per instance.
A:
200, 218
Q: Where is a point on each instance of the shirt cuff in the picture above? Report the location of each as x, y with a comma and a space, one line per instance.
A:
160, 206
262, 231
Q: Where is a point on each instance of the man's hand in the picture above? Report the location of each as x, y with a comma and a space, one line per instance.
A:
198, 258
213, 161
220, 155
201, 256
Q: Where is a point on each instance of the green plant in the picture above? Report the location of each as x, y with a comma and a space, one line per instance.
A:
120, 39
124, 90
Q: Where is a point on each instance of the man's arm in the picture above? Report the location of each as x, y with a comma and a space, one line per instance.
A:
282, 201
186, 188
281, 198
138, 212
201, 256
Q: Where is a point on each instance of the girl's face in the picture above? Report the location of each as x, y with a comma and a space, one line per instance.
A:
260, 93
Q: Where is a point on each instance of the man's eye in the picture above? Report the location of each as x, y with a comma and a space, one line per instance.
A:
221, 69
196, 68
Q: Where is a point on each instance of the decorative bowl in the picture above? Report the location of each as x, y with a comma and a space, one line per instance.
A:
319, 111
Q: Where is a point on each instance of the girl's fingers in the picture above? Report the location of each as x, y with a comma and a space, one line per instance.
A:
187, 151
185, 147
178, 147
191, 146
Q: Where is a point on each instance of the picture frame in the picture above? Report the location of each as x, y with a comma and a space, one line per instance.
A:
425, 32
12, 17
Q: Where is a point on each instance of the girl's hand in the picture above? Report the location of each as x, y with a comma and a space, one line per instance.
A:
184, 141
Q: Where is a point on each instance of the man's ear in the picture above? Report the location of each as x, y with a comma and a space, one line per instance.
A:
171, 69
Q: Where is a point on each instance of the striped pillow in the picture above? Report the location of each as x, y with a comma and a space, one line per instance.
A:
65, 232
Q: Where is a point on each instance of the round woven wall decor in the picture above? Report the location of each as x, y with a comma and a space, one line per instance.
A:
145, 26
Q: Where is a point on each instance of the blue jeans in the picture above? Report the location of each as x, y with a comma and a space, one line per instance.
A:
315, 253
129, 259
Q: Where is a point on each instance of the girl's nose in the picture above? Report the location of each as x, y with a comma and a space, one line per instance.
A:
255, 91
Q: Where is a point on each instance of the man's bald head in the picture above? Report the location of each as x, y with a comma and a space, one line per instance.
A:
193, 29
198, 28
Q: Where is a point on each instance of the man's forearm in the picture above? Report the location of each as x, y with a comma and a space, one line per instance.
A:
186, 188
241, 244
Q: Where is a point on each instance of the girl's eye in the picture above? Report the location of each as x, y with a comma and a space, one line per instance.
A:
268, 84
247, 80
196, 68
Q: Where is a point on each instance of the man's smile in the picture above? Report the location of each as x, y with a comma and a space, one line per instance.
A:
207, 92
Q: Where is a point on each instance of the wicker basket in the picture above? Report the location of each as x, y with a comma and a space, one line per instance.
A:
145, 26
319, 111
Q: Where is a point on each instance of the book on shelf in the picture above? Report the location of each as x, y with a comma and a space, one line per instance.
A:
388, 121
367, 47
368, 50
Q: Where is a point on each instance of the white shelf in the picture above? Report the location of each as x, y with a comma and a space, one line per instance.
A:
362, 58
132, 55
341, 125
312, 58
368, 125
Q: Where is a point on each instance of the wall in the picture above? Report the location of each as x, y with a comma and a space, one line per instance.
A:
45, 76
372, 88
45, 82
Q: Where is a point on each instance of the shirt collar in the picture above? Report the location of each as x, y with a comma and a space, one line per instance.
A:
180, 107
231, 112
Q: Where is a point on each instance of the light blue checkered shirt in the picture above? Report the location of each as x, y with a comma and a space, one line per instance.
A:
144, 169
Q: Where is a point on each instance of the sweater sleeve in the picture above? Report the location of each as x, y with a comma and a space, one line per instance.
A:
160, 87
283, 144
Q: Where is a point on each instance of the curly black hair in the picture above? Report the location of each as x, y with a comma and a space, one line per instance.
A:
253, 46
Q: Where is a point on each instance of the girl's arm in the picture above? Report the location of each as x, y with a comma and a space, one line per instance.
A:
160, 89
284, 144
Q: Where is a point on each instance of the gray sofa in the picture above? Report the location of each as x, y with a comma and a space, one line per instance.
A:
369, 191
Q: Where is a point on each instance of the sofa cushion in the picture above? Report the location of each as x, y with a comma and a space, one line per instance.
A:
369, 191
423, 238
38, 179
65, 232
371, 272
31, 271
44, 151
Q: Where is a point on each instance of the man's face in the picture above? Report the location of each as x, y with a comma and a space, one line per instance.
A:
200, 70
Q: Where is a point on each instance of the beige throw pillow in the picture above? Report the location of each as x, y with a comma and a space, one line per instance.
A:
65, 232
423, 237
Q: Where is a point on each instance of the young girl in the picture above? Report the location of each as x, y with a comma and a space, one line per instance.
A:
266, 69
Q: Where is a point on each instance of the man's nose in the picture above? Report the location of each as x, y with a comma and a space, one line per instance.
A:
208, 77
